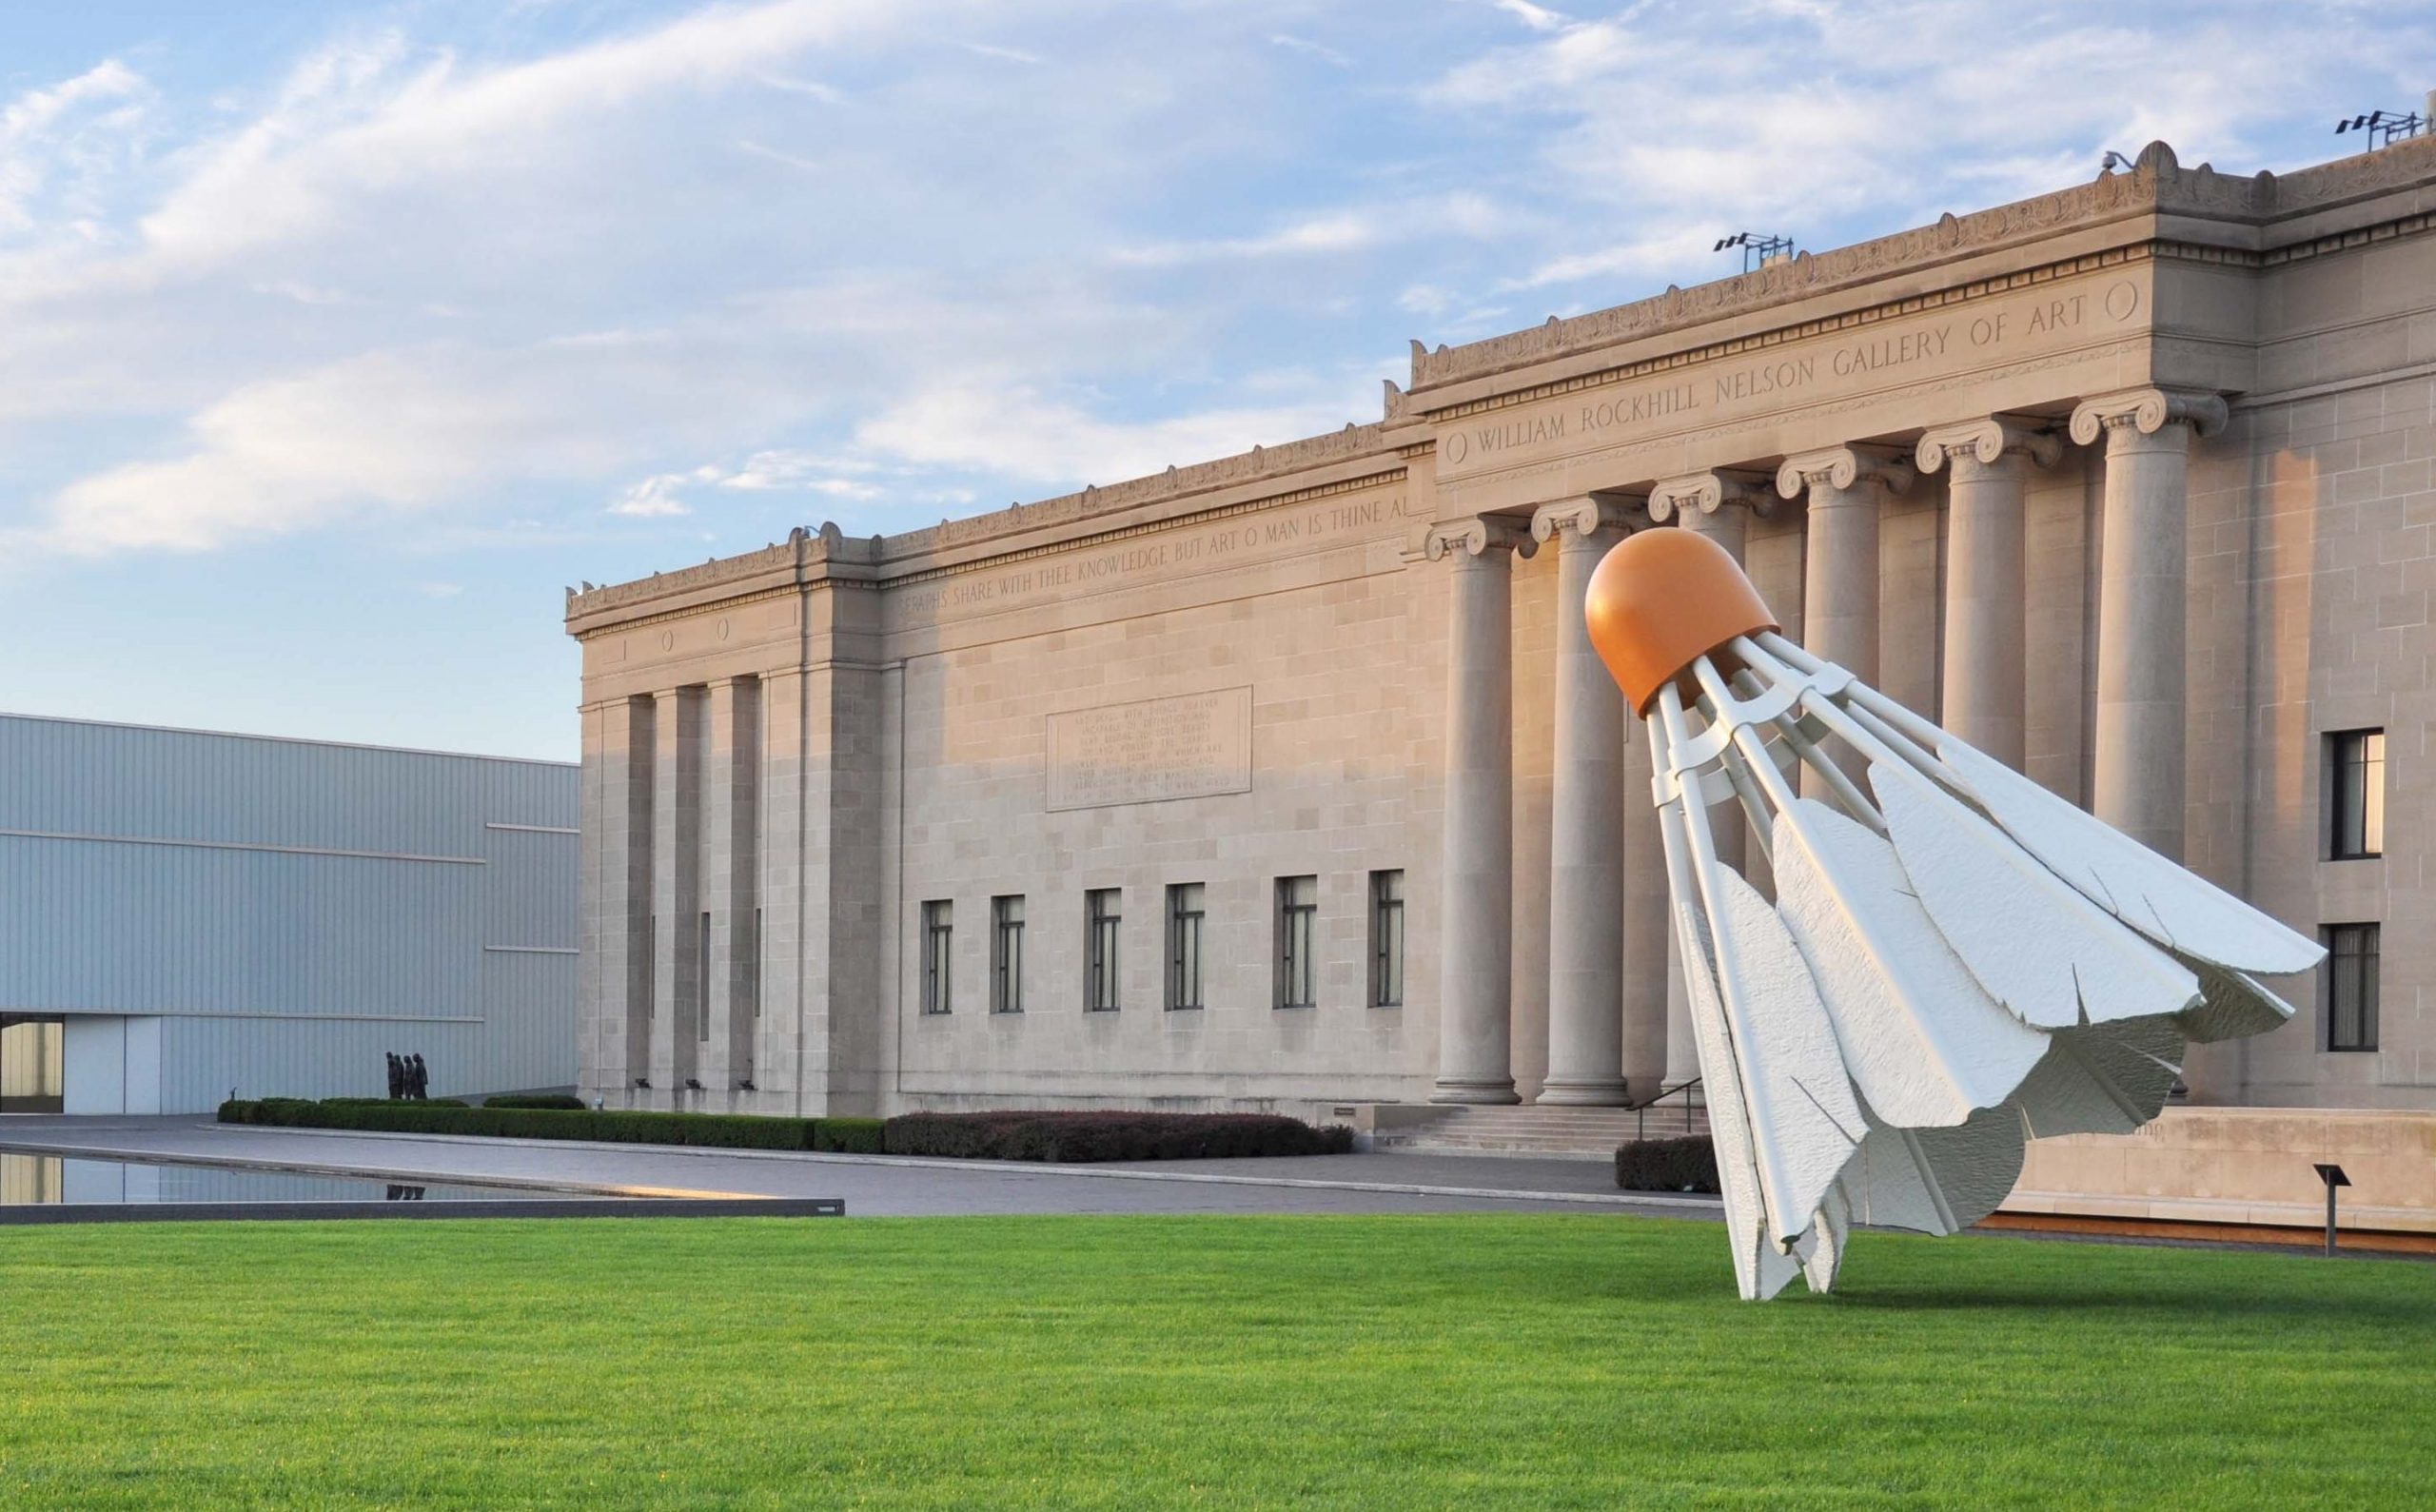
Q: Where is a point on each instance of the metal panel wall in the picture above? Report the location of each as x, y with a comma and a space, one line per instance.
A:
291, 909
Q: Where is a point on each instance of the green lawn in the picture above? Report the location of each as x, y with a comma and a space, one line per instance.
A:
1459, 1362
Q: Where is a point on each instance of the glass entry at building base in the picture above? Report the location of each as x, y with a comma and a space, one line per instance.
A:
32, 1062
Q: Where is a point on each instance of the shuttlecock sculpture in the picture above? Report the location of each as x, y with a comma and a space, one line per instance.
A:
1954, 959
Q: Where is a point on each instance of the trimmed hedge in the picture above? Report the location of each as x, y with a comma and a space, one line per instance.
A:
1038, 1136
725, 1130
563, 1102
1667, 1165
851, 1136
1090, 1136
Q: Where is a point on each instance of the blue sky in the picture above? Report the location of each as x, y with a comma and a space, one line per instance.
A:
335, 340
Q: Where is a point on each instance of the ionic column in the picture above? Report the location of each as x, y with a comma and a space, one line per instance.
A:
2143, 583
1586, 845
1982, 699
1718, 505
1476, 921
1847, 488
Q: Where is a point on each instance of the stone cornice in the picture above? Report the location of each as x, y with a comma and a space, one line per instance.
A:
1844, 467
1707, 493
1987, 442
1476, 537
2149, 411
2158, 184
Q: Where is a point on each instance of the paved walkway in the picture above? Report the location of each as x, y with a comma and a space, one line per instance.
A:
878, 1184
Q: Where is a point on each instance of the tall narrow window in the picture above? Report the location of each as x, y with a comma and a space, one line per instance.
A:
1007, 955
938, 934
1103, 921
753, 963
702, 981
1184, 945
651, 966
1386, 940
2356, 766
1298, 913
2350, 987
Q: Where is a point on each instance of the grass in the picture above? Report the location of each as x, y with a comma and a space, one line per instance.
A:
1425, 1362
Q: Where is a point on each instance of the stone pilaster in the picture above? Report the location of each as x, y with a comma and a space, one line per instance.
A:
2143, 589
1474, 1020
730, 885
1982, 699
676, 894
1846, 488
1587, 848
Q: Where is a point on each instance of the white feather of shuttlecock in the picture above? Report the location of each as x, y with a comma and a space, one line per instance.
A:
1955, 960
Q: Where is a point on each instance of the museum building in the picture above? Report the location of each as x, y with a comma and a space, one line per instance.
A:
188, 915
1290, 779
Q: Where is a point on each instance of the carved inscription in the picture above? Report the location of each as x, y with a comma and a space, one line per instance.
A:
1151, 750
1926, 344
1248, 537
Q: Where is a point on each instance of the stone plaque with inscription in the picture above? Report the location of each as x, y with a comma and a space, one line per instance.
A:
1151, 750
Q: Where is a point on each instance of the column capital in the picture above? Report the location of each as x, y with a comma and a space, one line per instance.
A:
1706, 493
2149, 411
1476, 537
1566, 520
1987, 442
1844, 467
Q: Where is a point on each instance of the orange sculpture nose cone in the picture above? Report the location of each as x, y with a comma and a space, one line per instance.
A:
1660, 600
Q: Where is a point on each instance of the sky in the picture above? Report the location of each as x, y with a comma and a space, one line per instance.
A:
336, 340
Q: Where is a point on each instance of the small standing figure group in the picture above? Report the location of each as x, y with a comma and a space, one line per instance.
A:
408, 1079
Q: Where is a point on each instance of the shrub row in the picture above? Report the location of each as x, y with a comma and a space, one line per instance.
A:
1058, 1136
725, 1130
963, 1135
564, 1102
1667, 1165
1088, 1136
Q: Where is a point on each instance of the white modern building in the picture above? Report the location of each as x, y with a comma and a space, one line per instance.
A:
185, 915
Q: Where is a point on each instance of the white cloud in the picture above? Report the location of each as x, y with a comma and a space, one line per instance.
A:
1013, 430
46, 131
1538, 18
1310, 49
651, 498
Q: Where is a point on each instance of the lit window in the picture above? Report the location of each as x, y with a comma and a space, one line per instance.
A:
2350, 987
1103, 918
1007, 955
1298, 909
2356, 765
938, 933
1386, 940
1184, 945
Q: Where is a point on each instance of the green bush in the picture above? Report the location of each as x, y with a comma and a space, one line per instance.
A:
1667, 1165
563, 1102
851, 1136
723, 1130
1067, 1137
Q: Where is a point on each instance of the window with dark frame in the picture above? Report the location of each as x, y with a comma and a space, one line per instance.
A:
1185, 911
1388, 939
938, 934
2350, 987
1007, 953
2356, 768
1103, 921
1298, 913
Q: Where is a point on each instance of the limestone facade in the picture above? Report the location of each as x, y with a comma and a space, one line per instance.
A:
2129, 483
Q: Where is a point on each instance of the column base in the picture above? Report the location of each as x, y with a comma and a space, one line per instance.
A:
1461, 1091
1600, 1091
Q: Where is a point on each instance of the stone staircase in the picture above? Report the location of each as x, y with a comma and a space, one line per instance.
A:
1544, 1130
